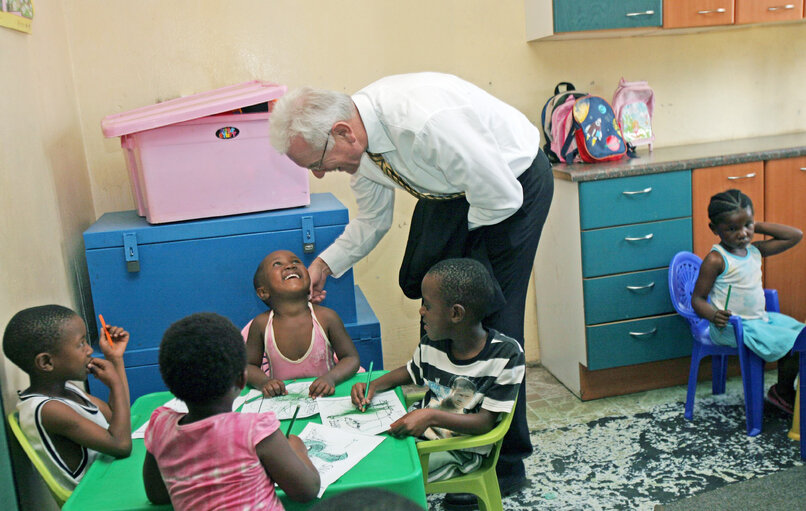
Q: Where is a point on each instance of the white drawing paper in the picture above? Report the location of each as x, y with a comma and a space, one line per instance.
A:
339, 412
174, 404
284, 406
335, 451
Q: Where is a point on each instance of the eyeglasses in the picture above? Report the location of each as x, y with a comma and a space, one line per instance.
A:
317, 167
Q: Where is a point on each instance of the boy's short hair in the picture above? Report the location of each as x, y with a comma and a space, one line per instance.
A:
33, 331
465, 282
201, 356
728, 202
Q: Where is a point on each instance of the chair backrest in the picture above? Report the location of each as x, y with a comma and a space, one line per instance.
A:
683, 272
59, 492
493, 437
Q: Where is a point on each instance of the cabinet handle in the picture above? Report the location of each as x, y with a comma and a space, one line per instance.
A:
712, 11
638, 334
639, 192
778, 8
642, 238
645, 13
636, 288
746, 176
803, 169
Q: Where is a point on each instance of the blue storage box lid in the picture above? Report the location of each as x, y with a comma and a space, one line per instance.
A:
324, 209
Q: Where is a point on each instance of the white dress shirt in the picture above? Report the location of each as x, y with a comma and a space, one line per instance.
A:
442, 135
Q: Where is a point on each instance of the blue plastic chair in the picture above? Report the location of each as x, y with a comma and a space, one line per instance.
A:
799, 350
683, 271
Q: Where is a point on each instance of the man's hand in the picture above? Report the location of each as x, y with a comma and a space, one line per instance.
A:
318, 271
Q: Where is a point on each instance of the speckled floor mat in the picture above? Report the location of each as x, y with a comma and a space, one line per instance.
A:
657, 457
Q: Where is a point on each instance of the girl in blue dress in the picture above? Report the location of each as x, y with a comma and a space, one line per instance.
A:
734, 265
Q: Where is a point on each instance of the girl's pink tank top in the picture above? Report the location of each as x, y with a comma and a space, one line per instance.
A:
317, 361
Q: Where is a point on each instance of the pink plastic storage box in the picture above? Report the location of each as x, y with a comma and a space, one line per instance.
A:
192, 157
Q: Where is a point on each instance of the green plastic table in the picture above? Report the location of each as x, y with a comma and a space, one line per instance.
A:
117, 485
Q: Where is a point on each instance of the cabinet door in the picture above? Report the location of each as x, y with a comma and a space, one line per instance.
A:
576, 15
697, 13
763, 11
784, 191
747, 177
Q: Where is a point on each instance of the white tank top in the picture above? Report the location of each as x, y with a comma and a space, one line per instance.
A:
743, 276
30, 411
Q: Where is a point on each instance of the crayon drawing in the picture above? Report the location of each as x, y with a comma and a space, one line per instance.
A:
339, 412
284, 406
334, 451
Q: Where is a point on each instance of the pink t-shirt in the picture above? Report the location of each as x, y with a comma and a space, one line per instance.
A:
212, 463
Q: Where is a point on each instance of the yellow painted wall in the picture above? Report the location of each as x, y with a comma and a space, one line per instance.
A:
45, 194
88, 59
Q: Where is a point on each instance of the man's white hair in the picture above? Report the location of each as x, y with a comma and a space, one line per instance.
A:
309, 113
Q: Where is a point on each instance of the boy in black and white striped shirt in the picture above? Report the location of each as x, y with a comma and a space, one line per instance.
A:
472, 374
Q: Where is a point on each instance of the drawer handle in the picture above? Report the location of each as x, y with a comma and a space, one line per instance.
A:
639, 192
641, 238
712, 11
746, 176
639, 334
645, 13
778, 8
637, 288
803, 169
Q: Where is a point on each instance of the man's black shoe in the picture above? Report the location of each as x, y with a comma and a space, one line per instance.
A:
460, 502
468, 501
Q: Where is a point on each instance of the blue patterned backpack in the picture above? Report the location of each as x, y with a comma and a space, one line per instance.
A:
596, 132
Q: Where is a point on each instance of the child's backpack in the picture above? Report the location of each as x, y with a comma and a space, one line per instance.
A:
556, 119
633, 104
595, 131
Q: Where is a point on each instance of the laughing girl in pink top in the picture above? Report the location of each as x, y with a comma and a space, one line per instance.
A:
297, 338
212, 457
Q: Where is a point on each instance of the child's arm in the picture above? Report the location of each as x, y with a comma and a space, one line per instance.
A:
60, 419
711, 267
156, 491
114, 354
416, 422
344, 347
287, 463
254, 358
784, 237
390, 380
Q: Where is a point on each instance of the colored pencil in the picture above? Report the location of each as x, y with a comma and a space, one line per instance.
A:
727, 299
288, 431
106, 330
369, 379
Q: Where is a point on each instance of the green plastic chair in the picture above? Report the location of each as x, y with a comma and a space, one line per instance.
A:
60, 493
483, 482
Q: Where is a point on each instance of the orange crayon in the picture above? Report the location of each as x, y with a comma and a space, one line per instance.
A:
106, 330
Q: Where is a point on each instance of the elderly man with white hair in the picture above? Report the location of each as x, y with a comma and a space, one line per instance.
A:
483, 186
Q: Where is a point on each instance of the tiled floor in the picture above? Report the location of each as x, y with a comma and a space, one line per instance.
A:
550, 404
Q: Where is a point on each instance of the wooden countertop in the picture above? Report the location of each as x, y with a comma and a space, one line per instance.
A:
691, 156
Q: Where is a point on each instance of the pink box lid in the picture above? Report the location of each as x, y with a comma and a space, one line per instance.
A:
191, 107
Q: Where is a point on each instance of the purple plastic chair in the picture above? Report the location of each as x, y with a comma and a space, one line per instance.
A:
683, 271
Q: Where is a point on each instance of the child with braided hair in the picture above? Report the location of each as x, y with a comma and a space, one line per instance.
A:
734, 264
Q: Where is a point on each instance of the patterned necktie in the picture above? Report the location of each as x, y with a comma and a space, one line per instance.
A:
387, 169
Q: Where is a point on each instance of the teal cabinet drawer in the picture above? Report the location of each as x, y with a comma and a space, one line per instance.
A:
638, 341
630, 200
575, 15
633, 247
628, 296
